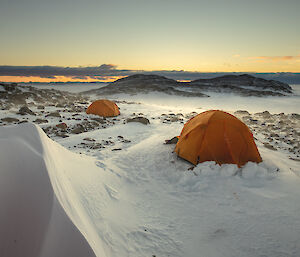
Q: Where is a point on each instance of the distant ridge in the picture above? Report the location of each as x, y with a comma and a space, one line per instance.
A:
245, 85
141, 83
245, 80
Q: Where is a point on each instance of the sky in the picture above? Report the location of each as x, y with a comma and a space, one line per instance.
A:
151, 35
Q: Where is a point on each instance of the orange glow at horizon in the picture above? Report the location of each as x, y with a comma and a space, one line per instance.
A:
29, 79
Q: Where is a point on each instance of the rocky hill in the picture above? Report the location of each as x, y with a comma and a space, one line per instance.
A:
141, 83
244, 85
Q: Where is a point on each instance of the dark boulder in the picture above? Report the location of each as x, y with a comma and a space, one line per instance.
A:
142, 120
24, 110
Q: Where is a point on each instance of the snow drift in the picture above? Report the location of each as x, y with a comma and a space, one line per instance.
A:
141, 201
33, 218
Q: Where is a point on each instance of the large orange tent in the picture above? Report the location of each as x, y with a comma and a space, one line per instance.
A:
217, 136
104, 108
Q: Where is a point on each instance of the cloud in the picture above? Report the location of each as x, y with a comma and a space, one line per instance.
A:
275, 58
110, 72
79, 77
52, 71
48, 77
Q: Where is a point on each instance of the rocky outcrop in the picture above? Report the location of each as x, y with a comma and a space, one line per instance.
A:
173, 140
245, 85
141, 83
13, 94
54, 114
9, 119
25, 110
40, 121
142, 120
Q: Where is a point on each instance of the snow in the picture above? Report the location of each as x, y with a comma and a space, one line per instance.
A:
227, 102
69, 87
182, 213
143, 200
32, 221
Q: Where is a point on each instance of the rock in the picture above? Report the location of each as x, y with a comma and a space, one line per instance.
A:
22, 121
25, 110
79, 129
191, 115
96, 146
272, 135
17, 98
40, 121
59, 134
9, 87
295, 159
31, 104
267, 145
54, 114
47, 130
108, 142
281, 115
142, 120
10, 120
174, 119
62, 126
99, 120
264, 114
173, 140
241, 112
236, 84
295, 116
253, 121
140, 83
89, 139
41, 107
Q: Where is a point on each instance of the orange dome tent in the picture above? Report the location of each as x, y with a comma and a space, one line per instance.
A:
217, 136
104, 108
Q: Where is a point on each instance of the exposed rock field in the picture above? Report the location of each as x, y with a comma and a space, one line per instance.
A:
62, 114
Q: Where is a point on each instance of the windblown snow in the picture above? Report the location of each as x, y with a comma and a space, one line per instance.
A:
135, 197
141, 202
36, 220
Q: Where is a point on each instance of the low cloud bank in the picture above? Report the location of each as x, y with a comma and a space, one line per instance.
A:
109, 71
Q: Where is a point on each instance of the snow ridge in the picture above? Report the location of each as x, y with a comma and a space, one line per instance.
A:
36, 221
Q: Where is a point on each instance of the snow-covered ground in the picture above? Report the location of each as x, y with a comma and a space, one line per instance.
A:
228, 102
69, 87
138, 199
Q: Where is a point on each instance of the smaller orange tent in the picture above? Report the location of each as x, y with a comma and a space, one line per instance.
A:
104, 108
217, 136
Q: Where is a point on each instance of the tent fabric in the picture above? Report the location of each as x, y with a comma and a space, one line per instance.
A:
217, 136
104, 108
